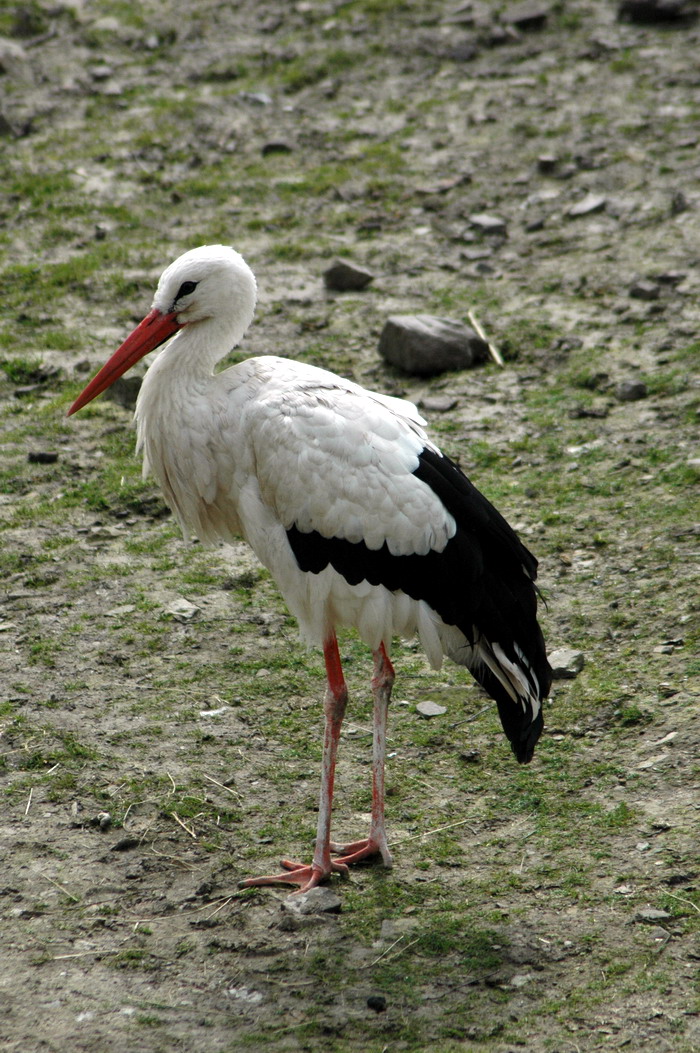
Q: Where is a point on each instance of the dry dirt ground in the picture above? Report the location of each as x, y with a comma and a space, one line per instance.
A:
155, 751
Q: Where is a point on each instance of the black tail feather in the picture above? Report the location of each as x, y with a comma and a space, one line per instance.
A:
522, 729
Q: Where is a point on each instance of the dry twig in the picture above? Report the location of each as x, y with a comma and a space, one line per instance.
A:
493, 350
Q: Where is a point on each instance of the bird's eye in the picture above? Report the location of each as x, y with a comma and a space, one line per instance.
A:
185, 289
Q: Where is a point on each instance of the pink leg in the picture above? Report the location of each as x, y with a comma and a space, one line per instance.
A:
376, 843
334, 707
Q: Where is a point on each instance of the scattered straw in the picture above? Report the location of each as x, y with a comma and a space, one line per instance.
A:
493, 350
234, 793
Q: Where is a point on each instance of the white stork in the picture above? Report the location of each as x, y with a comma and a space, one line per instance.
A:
359, 517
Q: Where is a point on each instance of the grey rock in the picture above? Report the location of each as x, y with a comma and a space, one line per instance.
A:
650, 11
255, 98
547, 162
316, 901
438, 403
345, 276
276, 146
631, 390
645, 290
526, 15
42, 457
430, 709
679, 203
566, 663
587, 206
651, 914
424, 345
488, 223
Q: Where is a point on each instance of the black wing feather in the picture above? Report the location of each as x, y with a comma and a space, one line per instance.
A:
482, 582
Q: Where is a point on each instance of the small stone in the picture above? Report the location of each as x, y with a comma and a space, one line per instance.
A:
526, 15
42, 457
103, 72
182, 610
631, 391
430, 709
487, 223
316, 901
256, 98
377, 1002
521, 979
645, 290
577, 412
125, 844
277, 146
650, 11
245, 995
651, 914
679, 203
546, 163
424, 345
345, 276
566, 663
438, 403
587, 206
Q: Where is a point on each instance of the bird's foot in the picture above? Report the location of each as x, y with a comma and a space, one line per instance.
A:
306, 876
365, 849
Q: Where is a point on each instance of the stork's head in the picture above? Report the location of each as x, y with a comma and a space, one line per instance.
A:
211, 286
213, 281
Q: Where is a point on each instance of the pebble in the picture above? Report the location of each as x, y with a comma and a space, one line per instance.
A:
125, 844
438, 403
430, 709
651, 914
345, 276
631, 391
182, 610
489, 224
650, 11
276, 146
645, 290
42, 457
526, 15
547, 163
316, 901
566, 663
587, 206
244, 994
256, 98
424, 345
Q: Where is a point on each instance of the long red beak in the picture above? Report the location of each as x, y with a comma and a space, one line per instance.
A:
148, 334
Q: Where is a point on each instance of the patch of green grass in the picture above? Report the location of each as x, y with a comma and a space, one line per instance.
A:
309, 68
